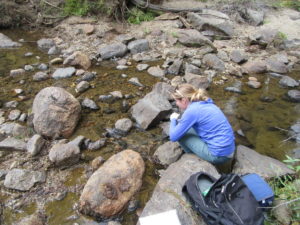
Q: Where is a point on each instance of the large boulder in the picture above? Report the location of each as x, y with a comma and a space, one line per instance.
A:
151, 109
163, 89
111, 187
56, 112
249, 161
168, 195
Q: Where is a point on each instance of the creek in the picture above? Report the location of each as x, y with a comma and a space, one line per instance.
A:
263, 123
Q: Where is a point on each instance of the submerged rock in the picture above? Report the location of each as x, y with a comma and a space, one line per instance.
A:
6, 42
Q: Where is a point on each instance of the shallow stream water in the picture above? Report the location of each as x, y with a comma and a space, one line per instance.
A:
263, 123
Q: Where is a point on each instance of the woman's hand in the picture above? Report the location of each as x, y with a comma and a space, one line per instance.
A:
174, 116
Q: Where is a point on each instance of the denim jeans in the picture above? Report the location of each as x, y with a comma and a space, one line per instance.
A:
192, 143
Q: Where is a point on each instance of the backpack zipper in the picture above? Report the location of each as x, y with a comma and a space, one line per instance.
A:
223, 190
199, 191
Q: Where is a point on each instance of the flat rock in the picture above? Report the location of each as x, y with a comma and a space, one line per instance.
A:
12, 144
250, 161
23, 180
64, 72
168, 153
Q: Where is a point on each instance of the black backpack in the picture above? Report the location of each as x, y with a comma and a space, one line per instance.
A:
223, 201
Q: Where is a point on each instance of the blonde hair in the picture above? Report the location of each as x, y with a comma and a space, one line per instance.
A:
190, 92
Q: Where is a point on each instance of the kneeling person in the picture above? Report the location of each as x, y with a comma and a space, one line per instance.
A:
202, 129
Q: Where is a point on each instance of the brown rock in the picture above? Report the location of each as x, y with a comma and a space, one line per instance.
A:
256, 66
111, 187
78, 59
88, 29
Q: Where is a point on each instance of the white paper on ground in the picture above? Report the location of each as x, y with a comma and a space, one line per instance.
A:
165, 218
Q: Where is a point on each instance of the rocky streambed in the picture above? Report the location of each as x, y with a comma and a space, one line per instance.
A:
74, 102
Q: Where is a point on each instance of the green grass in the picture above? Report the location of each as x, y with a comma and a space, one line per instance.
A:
85, 7
76, 7
282, 35
137, 16
294, 4
287, 188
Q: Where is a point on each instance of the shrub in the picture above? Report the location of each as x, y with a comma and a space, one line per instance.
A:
136, 16
76, 7
84, 7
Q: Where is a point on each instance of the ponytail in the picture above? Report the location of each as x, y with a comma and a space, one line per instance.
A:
190, 92
199, 95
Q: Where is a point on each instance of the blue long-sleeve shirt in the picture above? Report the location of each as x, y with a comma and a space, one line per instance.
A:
210, 124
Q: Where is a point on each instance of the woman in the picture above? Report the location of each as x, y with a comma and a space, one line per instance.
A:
203, 128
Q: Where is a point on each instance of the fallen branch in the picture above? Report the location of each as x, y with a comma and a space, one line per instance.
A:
278, 128
54, 6
147, 5
284, 203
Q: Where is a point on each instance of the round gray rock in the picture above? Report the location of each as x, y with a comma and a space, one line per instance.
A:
56, 112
